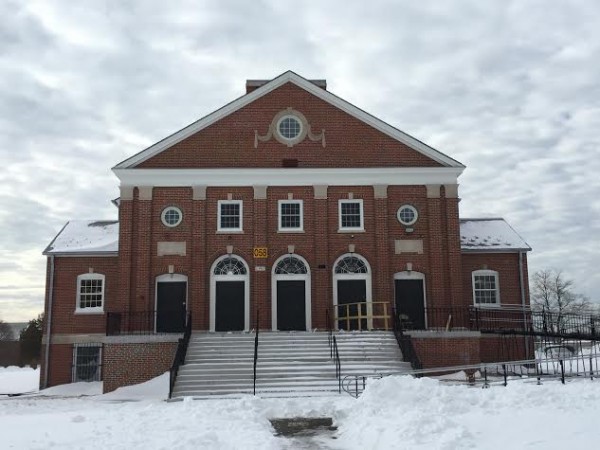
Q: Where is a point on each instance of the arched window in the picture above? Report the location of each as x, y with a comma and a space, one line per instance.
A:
351, 264
291, 265
486, 290
230, 266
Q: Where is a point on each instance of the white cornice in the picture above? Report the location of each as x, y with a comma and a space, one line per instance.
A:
305, 84
403, 176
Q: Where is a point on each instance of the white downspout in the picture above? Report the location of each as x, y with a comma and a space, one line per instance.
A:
49, 321
523, 305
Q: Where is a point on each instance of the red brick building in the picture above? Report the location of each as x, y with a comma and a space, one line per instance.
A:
287, 201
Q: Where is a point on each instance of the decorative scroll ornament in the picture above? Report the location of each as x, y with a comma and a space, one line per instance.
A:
296, 127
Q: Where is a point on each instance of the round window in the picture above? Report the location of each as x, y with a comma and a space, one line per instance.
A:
289, 127
407, 214
171, 216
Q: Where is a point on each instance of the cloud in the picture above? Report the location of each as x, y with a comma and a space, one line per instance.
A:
510, 89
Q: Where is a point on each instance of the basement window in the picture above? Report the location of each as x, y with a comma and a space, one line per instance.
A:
87, 363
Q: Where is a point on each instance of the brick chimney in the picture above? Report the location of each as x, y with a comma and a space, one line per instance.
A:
252, 85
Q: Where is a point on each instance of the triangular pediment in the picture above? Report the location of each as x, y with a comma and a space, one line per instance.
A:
434, 156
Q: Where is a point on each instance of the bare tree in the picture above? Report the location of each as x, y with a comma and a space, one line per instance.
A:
555, 295
552, 291
6, 333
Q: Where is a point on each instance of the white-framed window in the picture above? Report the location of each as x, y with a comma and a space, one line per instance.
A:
291, 215
90, 292
486, 289
87, 362
171, 216
407, 215
289, 127
230, 215
351, 217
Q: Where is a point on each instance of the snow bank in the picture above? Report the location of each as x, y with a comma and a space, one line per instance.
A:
16, 380
407, 413
156, 388
73, 389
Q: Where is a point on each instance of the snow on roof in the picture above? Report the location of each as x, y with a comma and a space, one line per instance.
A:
86, 236
490, 234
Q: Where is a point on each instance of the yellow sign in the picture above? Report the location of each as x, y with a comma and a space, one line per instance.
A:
260, 252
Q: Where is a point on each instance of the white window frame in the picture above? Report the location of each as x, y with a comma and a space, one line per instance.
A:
280, 227
414, 210
164, 213
230, 202
95, 309
485, 272
362, 215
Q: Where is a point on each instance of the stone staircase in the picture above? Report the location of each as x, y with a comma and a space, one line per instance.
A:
290, 364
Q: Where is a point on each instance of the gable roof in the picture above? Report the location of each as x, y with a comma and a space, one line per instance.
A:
489, 235
288, 77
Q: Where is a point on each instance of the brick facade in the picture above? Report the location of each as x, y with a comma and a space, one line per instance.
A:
231, 142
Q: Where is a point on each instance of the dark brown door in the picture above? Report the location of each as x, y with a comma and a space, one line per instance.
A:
410, 305
351, 291
291, 305
170, 307
229, 306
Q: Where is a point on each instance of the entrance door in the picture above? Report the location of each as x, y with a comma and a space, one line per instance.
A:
170, 306
229, 306
291, 305
351, 291
410, 305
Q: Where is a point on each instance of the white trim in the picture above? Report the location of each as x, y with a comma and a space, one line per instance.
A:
169, 278
412, 275
224, 278
354, 276
230, 202
289, 116
393, 176
413, 209
497, 282
164, 213
90, 310
280, 229
284, 277
362, 215
305, 84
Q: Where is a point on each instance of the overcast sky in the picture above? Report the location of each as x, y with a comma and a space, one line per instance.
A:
512, 91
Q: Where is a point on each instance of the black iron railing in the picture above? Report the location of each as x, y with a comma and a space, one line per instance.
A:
338, 364
255, 351
182, 347
409, 354
334, 353
536, 321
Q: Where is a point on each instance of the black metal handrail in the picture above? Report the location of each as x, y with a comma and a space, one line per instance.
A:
255, 351
329, 328
182, 347
338, 364
409, 354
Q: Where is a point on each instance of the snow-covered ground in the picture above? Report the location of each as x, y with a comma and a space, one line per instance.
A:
393, 413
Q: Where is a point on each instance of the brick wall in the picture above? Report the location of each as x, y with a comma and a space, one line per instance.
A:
507, 266
127, 364
447, 351
230, 141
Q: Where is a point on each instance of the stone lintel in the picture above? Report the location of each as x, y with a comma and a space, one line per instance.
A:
126, 192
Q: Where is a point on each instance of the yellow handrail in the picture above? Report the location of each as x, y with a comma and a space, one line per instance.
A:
359, 315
